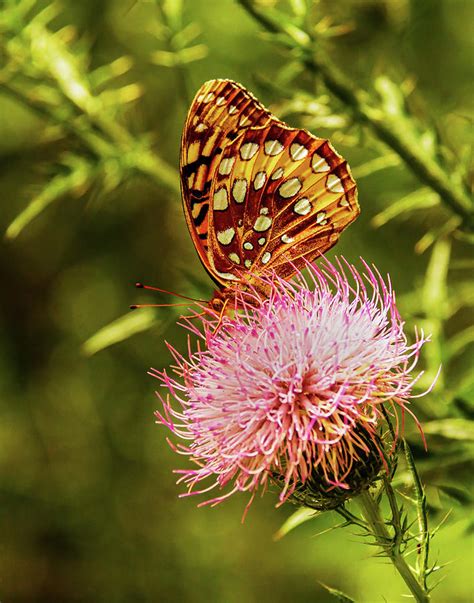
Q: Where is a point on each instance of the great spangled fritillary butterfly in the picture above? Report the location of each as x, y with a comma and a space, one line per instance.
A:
258, 195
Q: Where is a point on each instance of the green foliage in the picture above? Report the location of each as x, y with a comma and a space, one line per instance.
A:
92, 101
300, 516
338, 594
44, 69
120, 329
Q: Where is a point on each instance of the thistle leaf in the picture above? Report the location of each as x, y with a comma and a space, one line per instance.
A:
460, 495
124, 327
423, 198
302, 515
452, 429
105, 74
338, 594
433, 235
375, 165
459, 342
78, 179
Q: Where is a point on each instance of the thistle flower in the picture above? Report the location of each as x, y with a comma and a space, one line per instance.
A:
294, 389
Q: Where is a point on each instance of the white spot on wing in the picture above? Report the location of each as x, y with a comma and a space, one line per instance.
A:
248, 246
273, 147
334, 184
298, 151
319, 164
244, 121
259, 180
290, 187
239, 190
286, 239
234, 258
226, 165
321, 218
302, 206
264, 211
220, 101
232, 109
278, 173
266, 257
262, 241
228, 276
219, 200
201, 127
262, 223
247, 263
248, 150
209, 97
344, 202
225, 236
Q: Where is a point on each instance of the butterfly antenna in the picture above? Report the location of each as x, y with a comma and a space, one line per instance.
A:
150, 288
135, 306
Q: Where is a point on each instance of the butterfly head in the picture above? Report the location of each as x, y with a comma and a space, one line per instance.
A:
247, 292
227, 299
218, 301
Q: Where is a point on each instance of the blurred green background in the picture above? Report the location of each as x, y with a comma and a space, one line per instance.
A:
88, 502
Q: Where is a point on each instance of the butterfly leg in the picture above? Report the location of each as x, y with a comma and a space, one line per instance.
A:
221, 316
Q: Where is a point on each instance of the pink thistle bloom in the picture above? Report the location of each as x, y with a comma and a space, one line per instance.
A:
291, 389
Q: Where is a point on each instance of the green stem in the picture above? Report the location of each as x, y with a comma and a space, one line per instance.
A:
372, 515
424, 534
424, 167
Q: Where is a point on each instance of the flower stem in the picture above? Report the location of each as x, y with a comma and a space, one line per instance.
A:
372, 515
424, 534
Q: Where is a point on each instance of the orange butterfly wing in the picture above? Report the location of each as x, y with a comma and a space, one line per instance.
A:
258, 194
220, 110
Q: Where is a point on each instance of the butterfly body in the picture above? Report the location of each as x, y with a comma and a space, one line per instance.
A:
258, 195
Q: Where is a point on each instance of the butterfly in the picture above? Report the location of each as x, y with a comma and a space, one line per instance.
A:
258, 195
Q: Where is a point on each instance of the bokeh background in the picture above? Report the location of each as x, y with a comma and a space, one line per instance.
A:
93, 96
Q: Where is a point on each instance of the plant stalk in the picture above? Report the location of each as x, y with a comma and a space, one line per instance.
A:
372, 515
424, 534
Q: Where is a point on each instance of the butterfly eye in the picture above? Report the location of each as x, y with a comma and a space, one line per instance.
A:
217, 303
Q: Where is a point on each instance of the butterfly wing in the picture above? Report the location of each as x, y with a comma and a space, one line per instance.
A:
285, 200
220, 111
